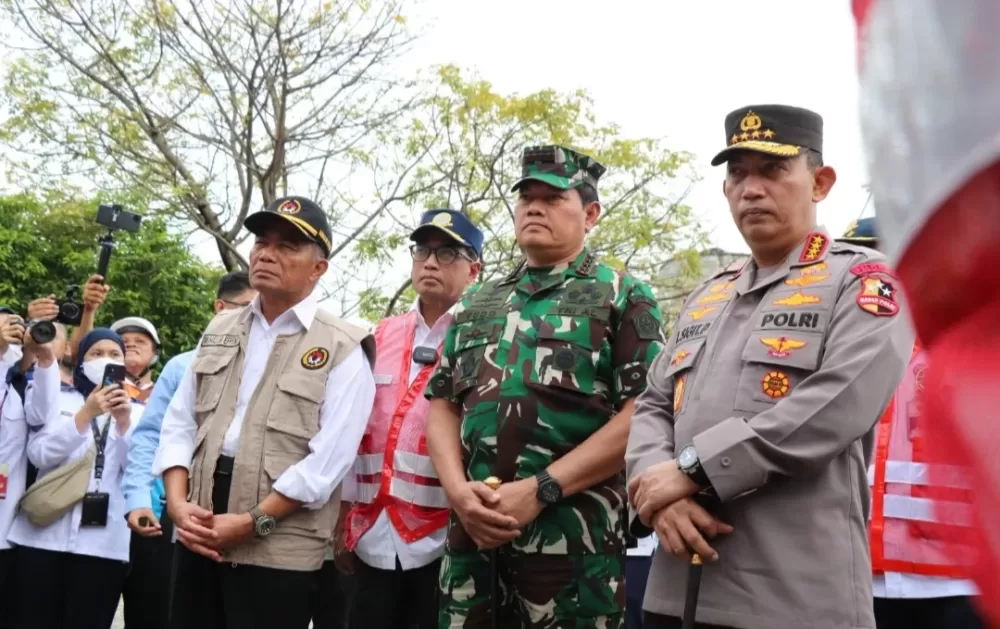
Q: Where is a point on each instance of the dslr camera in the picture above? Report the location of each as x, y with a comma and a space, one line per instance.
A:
70, 313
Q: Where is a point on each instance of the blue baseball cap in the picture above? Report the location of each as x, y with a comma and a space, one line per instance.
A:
452, 224
862, 232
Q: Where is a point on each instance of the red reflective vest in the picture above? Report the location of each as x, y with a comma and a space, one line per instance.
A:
915, 503
393, 469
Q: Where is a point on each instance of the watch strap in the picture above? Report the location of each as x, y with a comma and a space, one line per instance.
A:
697, 475
256, 513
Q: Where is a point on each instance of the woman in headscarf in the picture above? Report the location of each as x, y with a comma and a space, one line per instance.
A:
69, 574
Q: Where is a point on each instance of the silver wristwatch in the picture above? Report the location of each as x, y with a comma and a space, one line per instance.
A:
263, 524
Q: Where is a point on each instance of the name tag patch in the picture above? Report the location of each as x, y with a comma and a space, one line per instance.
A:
790, 319
220, 340
383, 378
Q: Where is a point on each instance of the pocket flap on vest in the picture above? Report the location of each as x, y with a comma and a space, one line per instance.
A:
312, 389
212, 363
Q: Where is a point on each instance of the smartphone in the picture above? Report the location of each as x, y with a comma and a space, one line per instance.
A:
114, 374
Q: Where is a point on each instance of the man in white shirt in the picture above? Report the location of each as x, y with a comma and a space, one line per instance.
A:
260, 433
397, 525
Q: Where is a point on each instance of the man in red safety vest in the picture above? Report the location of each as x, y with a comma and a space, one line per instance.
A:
916, 581
394, 532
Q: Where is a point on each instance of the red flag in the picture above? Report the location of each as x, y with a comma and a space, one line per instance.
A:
929, 103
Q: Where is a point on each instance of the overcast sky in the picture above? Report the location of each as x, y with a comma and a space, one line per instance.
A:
671, 69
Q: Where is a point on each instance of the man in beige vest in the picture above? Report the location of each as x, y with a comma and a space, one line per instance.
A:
260, 433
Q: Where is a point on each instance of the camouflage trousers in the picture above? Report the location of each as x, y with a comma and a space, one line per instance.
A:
536, 591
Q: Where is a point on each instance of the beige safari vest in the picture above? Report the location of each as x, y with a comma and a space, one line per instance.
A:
281, 418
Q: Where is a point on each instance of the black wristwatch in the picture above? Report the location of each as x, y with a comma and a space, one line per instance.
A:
263, 524
549, 491
688, 463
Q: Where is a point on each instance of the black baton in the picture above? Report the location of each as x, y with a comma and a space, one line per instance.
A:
494, 483
691, 597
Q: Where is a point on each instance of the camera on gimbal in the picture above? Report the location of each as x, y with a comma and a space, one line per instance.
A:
113, 217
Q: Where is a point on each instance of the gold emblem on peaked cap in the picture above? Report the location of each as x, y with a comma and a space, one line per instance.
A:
750, 122
441, 219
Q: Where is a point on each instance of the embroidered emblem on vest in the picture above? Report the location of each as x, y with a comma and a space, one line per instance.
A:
315, 358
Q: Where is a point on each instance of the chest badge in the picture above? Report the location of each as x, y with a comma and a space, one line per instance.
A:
798, 298
782, 347
315, 358
679, 357
679, 394
806, 280
716, 293
701, 312
775, 385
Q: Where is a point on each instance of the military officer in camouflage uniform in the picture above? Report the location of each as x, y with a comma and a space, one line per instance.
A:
536, 386
766, 398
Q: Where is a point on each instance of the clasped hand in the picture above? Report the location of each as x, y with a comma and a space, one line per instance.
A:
494, 518
207, 534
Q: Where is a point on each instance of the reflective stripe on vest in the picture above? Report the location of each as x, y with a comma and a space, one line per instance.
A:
906, 525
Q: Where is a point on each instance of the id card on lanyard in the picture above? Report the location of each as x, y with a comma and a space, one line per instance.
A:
96, 503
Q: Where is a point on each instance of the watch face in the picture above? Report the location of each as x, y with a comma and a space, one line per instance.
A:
687, 458
550, 493
265, 525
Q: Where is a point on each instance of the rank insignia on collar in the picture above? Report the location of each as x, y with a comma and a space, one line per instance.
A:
315, 358
775, 385
816, 245
878, 297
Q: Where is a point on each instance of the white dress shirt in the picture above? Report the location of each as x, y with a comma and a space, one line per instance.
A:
59, 442
13, 441
350, 393
644, 546
374, 548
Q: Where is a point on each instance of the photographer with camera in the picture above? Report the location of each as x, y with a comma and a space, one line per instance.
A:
73, 539
95, 291
13, 462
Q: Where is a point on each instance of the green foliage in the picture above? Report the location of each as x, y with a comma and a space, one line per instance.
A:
47, 246
471, 138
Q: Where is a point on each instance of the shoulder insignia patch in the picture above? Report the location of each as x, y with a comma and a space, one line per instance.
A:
315, 358
877, 297
646, 327
871, 268
815, 248
679, 357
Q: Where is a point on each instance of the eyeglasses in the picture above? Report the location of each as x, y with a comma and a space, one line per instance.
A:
444, 255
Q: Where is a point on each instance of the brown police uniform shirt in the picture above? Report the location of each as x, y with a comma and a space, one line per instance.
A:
778, 379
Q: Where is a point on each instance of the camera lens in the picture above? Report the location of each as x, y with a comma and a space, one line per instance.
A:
69, 311
42, 331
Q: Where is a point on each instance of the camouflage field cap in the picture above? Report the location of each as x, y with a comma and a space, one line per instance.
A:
558, 166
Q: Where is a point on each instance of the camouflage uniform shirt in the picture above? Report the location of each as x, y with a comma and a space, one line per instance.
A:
537, 363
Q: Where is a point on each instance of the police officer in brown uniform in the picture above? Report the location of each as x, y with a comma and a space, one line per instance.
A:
765, 401
259, 434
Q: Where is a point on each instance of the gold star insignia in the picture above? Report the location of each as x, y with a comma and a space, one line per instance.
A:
768, 133
744, 136
755, 134
735, 138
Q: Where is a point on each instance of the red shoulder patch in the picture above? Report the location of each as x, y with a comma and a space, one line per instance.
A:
871, 268
815, 248
877, 297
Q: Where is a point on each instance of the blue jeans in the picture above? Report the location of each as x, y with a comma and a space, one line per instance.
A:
636, 572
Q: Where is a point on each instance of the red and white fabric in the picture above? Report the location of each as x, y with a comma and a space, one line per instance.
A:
397, 493
929, 102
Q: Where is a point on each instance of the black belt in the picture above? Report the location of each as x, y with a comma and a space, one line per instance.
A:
224, 466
